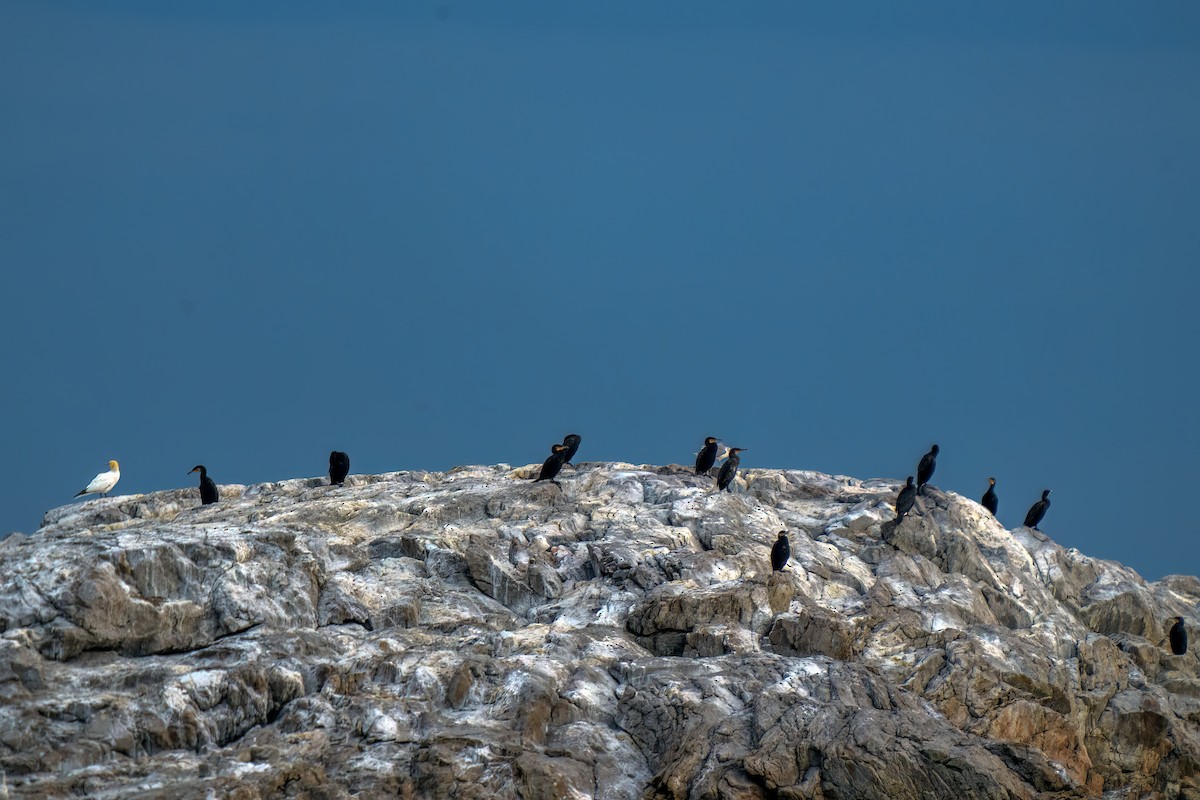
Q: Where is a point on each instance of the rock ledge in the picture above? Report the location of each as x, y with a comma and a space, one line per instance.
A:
471, 634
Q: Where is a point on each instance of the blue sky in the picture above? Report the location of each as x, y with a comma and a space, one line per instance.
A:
445, 234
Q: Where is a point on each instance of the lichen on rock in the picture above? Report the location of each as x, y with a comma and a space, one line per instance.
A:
621, 635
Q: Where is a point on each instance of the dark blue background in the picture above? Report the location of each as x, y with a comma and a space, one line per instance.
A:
247, 234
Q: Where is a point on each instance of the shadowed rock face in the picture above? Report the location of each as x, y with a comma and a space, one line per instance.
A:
472, 634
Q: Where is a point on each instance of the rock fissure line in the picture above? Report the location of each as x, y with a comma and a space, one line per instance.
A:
620, 635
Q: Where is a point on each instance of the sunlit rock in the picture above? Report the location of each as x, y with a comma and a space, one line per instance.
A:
620, 635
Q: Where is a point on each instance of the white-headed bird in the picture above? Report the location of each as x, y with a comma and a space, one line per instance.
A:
103, 483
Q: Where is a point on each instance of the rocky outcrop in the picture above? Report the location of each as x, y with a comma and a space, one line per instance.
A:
473, 634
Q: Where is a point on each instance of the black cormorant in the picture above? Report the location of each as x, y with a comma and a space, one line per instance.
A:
729, 469
552, 464
707, 455
571, 442
1038, 510
990, 501
1178, 637
208, 487
926, 467
905, 500
339, 467
781, 551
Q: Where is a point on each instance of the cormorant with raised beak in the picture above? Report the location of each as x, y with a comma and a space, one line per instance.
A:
208, 487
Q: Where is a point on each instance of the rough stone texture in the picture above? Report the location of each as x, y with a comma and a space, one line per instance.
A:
474, 635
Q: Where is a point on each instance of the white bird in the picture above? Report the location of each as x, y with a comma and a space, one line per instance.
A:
103, 483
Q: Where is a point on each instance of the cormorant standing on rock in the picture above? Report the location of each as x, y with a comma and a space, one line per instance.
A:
729, 469
553, 464
990, 501
339, 467
1178, 637
208, 487
103, 483
781, 551
926, 467
707, 455
571, 442
905, 500
1038, 510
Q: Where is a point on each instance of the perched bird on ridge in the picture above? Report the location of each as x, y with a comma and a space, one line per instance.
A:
707, 455
781, 551
926, 467
103, 483
553, 464
1178, 637
905, 500
571, 442
729, 468
208, 487
990, 501
339, 467
1038, 510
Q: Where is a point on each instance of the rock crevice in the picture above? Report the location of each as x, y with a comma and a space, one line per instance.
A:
472, 634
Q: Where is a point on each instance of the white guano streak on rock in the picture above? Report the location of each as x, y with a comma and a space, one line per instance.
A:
473, 633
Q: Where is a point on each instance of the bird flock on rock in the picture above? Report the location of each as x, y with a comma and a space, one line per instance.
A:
781, 551
907, 498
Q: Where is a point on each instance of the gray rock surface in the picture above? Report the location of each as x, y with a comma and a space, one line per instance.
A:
472, 634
